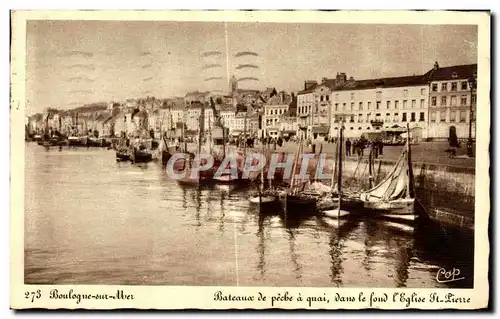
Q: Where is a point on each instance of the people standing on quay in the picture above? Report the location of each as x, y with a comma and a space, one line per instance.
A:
348, 147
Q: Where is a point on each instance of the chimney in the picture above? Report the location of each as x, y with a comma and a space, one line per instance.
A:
351, 79
436, 66
341, 78
323, 80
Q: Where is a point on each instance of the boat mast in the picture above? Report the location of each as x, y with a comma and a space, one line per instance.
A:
332, 183
410, 193
339, 177
245, 134
261, 186
201, 127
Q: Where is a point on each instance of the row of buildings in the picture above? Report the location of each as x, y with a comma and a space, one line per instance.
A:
434, 103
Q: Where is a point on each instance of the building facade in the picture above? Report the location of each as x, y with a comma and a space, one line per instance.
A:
452, 95
378, 105
193, 117
305, 102
273, 112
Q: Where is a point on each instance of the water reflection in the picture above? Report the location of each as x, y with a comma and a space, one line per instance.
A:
91, 220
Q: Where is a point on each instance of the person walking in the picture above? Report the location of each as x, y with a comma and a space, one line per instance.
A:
348, 147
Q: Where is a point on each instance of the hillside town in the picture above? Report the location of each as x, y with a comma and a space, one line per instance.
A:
433, 104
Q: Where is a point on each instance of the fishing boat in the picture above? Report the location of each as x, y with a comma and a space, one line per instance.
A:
265, 197
394, 197
78, 141
337, 203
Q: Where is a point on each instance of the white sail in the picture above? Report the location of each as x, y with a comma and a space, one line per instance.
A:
394, 186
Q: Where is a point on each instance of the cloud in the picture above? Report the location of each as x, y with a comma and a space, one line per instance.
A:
248, 78
242, 66
244, 53
213, 78
211, 53
208, 66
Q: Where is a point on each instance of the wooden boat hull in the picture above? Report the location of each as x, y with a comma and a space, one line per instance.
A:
335, 213
299, 204
122, 157
141, 157
265, 199
400, 210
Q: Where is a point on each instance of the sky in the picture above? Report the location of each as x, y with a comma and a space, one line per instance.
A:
71, 63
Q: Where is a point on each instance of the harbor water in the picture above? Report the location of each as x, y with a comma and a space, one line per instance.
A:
91, 220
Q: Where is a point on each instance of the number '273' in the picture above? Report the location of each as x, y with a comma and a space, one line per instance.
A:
33, 295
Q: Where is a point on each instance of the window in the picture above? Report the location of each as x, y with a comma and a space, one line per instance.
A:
404, 117
327, 97
433, 116
433, 101
412, 116
369, 105
352, 119
368, 118
352, 128
388, 104
442, 116
454, 75
360, 118
422, 91
352, 96
396, 104
443, 101
422, 117
379, 94
454, 100
434, 87
359, 128
453, 116
463, 85
463, 100
413, 103
378, 105
321, 98
361, 106
463, 116
352, 106
344, 106
396, 117
422, 103
404, 104
453, 86
336, 107
388, 117
405, 93
444, 87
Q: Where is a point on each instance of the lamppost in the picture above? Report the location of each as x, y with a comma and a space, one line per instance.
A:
472, 84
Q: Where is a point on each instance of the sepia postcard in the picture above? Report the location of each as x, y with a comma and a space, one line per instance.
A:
250, 160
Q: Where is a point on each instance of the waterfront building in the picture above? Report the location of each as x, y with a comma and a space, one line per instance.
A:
305, 101
451, 99
228, 118
193, 116
274, 109
375, 105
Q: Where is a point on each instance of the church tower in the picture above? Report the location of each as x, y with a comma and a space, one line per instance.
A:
233, 84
